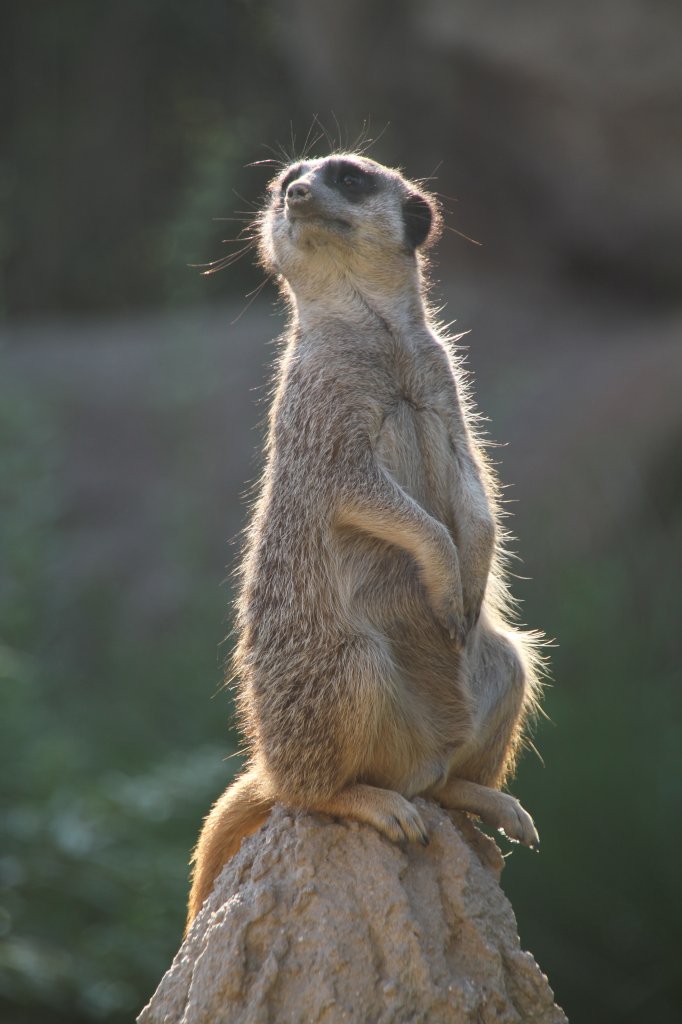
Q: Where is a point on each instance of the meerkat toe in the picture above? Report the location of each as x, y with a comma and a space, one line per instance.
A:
454, 626
400, 835
414, 828
530, 834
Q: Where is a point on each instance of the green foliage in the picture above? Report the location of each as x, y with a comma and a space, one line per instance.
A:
601, 907
125, 119
101, 795
94, 876
29, 499
209, 195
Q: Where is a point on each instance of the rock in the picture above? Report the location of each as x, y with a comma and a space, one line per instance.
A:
323, 921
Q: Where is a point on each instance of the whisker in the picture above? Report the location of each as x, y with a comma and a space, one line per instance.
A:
432, 176
241, 237
339, 133
461, 234
325, 134
442, 195
244, 200
305, 150
365, 144
252, 296
225, 261
280, 158
362, 139
280, 153
244, 216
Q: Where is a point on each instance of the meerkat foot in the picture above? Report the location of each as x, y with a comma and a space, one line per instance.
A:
516, 823
499, 810
388, 811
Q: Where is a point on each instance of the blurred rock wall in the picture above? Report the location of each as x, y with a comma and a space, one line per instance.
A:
127, 128
557, 125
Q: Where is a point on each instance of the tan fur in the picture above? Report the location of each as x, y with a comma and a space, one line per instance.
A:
375, 656
240, 811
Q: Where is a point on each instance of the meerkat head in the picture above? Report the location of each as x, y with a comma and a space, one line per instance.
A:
345, 215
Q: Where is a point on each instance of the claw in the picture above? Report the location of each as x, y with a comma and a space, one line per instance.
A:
456, 630
398, 823
471, 620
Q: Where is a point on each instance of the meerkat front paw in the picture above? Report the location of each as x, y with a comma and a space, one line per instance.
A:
473, 603
474, 583
449, 613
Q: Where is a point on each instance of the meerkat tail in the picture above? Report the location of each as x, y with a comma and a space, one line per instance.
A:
242, 809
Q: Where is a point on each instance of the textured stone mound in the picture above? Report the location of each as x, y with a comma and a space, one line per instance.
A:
318, 921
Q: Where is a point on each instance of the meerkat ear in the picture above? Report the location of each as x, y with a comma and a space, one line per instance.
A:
418, 218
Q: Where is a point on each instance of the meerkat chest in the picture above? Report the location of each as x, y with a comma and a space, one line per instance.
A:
416, 445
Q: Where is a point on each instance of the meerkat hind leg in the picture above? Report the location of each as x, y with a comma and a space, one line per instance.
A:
499, 810
388, 811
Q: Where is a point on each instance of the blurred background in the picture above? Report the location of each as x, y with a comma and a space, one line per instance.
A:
132, 397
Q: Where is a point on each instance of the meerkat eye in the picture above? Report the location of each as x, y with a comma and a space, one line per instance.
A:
352, 177
354, 182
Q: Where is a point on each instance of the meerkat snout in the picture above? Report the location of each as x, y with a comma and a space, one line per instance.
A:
298, 192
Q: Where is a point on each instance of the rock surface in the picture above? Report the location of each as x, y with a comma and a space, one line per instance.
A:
319, 921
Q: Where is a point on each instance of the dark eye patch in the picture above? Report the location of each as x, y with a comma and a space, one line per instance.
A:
354, 182
290, 176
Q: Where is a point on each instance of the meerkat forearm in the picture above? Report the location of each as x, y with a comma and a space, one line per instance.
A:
385, 511
475, 536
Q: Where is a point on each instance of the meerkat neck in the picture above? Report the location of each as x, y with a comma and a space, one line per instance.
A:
359, 303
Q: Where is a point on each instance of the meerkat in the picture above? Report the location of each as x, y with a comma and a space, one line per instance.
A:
376, 658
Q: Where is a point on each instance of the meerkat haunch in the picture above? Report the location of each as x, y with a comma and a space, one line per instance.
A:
375, 657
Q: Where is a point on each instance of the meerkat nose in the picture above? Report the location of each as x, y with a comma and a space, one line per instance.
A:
298, 192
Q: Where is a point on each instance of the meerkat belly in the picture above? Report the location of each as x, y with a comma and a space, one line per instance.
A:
426, 702
414, 446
